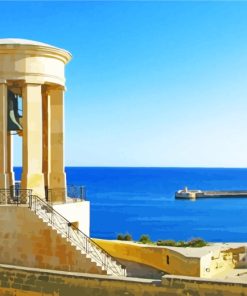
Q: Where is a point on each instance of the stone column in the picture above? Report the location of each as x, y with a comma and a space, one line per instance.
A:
10, 159
32, 175
45, 119
4, 175
56, 174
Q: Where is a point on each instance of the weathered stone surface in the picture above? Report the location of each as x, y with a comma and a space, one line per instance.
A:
77, 284
33, 243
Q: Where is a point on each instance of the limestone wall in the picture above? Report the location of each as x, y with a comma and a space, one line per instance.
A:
16, 281
216, 262
172, 262
161, 258
192, 286
140, 270
240, 256
26, 240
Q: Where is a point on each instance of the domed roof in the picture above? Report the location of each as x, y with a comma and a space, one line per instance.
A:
16, 41
7, 44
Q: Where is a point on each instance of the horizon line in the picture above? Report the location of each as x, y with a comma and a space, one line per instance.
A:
153, 167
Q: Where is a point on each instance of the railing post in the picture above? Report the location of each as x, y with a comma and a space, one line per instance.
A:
86, 245
51, 218
30, 201
30, 195
105, 262
68, 228
83, 193
18, 196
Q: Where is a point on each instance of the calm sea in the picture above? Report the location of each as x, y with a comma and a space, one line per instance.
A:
141, 201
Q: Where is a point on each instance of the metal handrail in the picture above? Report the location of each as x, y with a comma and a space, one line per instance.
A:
73, 191
76, 191
14, 195
76, 236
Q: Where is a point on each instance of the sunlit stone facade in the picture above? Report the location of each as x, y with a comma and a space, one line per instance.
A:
34, 72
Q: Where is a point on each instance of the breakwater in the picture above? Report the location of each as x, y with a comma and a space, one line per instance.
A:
194, 194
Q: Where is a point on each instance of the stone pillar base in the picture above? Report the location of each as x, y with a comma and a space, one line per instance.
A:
4, 181
56, 184
34, 182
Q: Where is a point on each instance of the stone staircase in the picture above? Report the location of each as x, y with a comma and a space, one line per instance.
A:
76, 238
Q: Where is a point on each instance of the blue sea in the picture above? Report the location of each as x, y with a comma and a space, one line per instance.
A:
141, 201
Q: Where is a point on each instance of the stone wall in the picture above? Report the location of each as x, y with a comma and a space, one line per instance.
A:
26, 240
217, 262
139, 270
171, 261
16, 281
160, 258
192, 286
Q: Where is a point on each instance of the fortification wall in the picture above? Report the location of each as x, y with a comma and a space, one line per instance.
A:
16, 281
169, 261
160, 258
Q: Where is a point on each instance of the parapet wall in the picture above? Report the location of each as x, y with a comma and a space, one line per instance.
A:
160, 258
171, 261
16, 281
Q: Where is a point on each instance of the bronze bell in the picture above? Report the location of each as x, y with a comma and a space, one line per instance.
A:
13, 113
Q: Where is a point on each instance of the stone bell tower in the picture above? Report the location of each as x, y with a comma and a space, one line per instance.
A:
32, 79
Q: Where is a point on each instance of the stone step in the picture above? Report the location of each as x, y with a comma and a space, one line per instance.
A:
113, 268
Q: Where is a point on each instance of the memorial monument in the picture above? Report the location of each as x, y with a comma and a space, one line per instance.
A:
32, 85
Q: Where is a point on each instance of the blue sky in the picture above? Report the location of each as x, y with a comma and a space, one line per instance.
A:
150, 83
